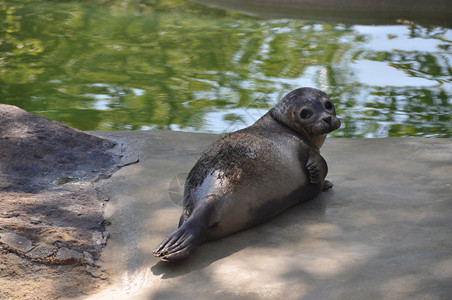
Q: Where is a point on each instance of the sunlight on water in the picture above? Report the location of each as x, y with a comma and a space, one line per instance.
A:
382, 74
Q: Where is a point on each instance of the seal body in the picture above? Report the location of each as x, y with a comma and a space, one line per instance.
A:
253, 174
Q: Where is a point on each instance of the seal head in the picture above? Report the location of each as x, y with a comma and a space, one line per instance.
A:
309, 112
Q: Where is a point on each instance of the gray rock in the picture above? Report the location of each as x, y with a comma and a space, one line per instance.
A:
41, 251
16, 242
88, 258
64, 254
97, 238
38, 153
95, 272
47, 188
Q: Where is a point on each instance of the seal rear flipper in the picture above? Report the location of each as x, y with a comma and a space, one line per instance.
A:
181, 243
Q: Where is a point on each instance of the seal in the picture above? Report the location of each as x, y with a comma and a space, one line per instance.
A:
253, 174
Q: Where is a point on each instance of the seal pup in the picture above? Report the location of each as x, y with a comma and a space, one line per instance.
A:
253, 174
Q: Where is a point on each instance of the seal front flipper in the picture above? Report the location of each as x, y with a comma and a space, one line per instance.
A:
313, 170
317, 167
317, 170
181, 243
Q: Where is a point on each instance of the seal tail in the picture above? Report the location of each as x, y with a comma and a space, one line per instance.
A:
181, 243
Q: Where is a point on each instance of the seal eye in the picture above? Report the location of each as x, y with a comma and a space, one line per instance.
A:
328, 105
305, 113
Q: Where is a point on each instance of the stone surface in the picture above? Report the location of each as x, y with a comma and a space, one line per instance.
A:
383, 232
21, 278
50, 208
18, 242
47, 195
88, 258
65, 254
41, 251
60, 218
37, 153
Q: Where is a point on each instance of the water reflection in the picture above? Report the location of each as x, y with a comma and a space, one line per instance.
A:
182, 66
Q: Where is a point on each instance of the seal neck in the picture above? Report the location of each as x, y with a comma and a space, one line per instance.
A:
270, 120
318, 140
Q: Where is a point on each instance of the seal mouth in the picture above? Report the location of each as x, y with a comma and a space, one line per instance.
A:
336, 124
326, 125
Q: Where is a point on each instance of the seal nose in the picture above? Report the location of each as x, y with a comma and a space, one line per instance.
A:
327, 120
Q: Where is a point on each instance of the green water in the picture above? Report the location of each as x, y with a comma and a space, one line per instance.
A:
137, 65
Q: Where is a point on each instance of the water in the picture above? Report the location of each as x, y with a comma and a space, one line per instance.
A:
138, 65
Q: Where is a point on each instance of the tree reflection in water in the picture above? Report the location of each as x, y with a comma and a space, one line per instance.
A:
130, 65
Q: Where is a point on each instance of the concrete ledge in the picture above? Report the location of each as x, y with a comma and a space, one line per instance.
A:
382, 232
